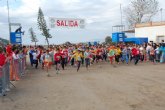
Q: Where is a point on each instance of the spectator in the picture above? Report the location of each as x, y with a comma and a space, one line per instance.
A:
2, 57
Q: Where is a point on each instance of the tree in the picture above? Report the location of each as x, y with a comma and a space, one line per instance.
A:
140, 11
108, 40
33, 36
42, 26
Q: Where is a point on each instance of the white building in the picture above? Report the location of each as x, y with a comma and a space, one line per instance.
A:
155, 31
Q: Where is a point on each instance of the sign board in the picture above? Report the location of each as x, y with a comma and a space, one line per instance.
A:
67, 23
15, 38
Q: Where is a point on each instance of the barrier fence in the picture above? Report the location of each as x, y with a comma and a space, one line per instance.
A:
12, 71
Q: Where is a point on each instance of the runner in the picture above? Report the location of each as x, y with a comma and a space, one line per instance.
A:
35, 59
117, 54
57, 59
135, 54
99, 54
111, 54
125, 55
152, 55
78, 55
87, 55
65, 52
48, 61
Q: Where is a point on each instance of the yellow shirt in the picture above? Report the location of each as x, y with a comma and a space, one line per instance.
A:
78, 56
118, 51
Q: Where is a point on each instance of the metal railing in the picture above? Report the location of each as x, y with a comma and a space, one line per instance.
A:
14, 66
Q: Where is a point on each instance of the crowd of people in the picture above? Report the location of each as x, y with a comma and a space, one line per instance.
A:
11, 53
76, 55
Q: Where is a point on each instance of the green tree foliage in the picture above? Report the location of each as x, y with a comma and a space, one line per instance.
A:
42, 26
33, 36
108, 40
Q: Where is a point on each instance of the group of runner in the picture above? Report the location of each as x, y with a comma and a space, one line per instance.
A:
77, 55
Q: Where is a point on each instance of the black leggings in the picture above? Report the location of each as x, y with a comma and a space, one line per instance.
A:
137, 57
63, 63
142, 57
105, 57
72, 62
35, 62
152, 57
87, 62
78, 65
117, 58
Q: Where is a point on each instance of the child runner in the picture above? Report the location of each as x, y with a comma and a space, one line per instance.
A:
152, 55
57, 59
78, 55
42, 59
117, 54
111, 54
35, 59
125, 55
99, 54
65, 52
87, 55
48, 61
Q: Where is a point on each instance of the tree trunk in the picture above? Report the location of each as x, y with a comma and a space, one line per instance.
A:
35, 44
47, 42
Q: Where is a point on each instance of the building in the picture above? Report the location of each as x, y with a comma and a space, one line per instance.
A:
155, 31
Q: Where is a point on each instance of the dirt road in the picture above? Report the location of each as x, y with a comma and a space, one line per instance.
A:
102, 87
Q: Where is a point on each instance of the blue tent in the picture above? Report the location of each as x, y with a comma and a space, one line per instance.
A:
136, 40
118, 37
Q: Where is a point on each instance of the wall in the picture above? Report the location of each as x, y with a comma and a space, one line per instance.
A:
150, 32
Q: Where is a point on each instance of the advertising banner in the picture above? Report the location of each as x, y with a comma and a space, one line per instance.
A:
67, 23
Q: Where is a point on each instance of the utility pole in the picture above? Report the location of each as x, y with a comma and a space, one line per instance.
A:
121, 14
8, 19
161, 11
121, 27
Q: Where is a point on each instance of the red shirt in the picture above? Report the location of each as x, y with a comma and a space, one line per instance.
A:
9, 50
2, 59
57, 56
65, 52
99, 52
63, 55
134, 52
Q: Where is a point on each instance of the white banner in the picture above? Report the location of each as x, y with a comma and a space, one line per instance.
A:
67, 23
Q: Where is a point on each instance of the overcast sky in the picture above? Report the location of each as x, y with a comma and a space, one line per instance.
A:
100, 16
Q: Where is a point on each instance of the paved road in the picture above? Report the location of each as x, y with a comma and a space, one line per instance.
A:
102, 87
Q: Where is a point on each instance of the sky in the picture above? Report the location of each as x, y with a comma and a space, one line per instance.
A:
100, 16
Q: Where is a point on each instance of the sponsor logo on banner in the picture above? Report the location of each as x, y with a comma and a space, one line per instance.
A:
67, 23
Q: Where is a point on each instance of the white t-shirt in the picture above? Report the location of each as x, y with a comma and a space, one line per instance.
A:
15, 57
148, 48
35, 56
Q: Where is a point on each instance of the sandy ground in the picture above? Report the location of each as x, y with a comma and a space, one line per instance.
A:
102, 87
